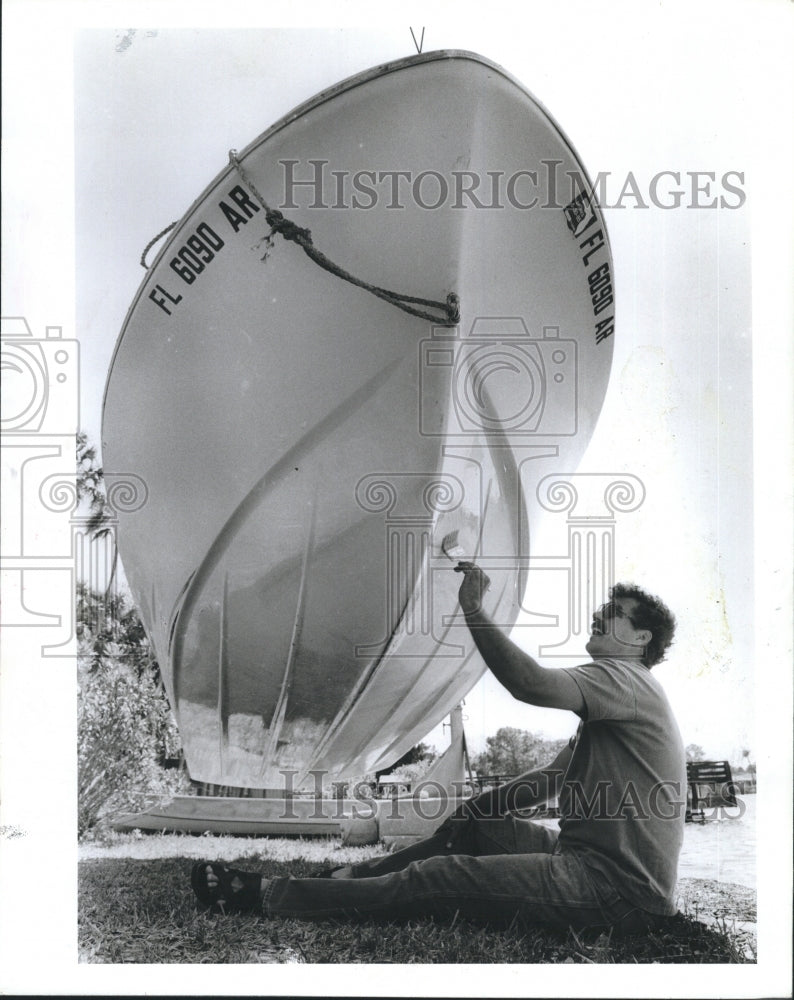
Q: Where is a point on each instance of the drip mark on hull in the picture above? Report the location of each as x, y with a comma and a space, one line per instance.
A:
280, 710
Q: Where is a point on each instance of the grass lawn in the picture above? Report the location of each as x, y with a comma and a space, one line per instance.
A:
140, 908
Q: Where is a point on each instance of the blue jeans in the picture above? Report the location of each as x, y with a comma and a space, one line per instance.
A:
497, 871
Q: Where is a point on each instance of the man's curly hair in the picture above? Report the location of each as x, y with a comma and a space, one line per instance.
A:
652, 614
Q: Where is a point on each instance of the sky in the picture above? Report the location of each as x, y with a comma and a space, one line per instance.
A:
678, 412
110, 133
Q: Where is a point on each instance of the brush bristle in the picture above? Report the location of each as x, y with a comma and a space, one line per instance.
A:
450, 546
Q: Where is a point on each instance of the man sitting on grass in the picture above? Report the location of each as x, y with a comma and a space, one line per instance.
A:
622, 793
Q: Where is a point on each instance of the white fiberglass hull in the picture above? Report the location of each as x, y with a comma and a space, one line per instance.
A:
306, 446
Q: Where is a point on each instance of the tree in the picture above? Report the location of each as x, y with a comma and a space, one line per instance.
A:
513, 751
109, 625
90, 486
694, 752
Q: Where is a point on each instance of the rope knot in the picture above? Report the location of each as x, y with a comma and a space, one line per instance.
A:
453, 308
288, 229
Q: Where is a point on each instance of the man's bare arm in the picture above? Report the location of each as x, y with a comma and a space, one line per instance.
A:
516, 670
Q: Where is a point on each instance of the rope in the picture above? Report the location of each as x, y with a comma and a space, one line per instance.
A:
448, 313
152, 242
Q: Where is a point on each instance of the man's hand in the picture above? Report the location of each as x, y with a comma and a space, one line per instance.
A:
475, 583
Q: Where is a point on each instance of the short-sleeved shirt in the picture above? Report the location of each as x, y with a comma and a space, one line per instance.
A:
623, 799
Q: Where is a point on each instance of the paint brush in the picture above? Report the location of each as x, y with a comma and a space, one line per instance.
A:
451, 547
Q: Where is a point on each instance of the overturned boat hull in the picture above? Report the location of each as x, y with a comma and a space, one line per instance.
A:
316, 458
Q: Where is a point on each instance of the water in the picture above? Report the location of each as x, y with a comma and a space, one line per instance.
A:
722, 848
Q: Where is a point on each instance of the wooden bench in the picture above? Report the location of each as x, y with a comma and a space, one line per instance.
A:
709, 783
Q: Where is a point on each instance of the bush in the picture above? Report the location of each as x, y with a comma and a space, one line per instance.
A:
124, 725
125, 728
